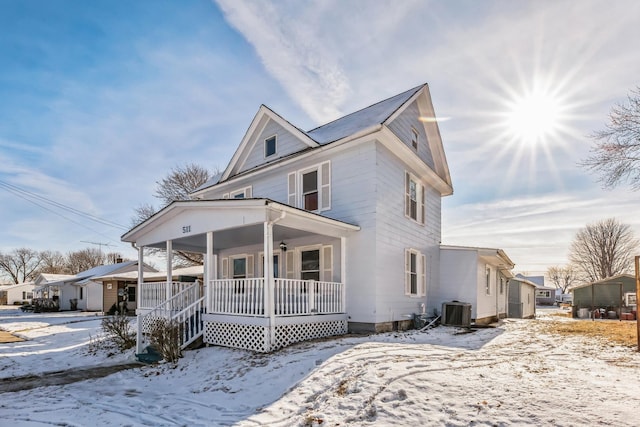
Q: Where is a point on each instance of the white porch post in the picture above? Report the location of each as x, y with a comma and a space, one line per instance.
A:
139, 298
140, 275
269, 306
169, 271
209, 270
343, 271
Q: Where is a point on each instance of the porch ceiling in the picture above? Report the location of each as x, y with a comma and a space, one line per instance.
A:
234, 223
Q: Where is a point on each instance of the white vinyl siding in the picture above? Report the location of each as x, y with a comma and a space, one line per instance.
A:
415, 283
238, 267
310, 188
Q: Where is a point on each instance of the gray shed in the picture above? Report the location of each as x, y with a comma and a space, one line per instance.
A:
522, 298
607, 294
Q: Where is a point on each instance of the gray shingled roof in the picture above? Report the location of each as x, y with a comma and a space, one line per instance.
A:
352, 123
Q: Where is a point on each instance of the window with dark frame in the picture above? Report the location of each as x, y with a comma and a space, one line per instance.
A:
414, 138
310, 265
413, 273
131, 294
270, 146
310, 191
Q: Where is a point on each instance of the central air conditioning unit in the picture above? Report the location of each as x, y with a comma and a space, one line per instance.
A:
456, 313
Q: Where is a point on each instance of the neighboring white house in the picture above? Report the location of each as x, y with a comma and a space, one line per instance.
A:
477, 276
80, 291
120, 287
522, 298
16, 294
348, 215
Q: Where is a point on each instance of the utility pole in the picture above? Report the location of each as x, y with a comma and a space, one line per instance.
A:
638, 295
100, 245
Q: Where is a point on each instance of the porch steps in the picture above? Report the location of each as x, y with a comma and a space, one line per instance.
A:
185, 308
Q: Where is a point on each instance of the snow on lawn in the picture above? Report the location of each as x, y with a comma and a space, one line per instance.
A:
511, 375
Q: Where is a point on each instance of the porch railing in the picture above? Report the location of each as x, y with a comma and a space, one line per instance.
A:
185, 308
152, 294
291, 297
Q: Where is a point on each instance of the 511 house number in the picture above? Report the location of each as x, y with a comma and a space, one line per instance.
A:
186, 229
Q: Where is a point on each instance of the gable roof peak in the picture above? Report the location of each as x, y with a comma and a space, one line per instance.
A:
375, 114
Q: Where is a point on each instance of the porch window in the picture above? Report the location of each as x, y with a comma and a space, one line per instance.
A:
81, 296
502, 286
310, 265
414, 207
131, 294
276, 265
310, 189
239, 268
487, 284
270, 146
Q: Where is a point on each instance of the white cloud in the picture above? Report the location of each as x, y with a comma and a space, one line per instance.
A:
290, 50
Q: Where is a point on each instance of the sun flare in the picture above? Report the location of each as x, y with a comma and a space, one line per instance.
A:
534, 117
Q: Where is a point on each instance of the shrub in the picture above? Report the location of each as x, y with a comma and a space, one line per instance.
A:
119, 331
165, 338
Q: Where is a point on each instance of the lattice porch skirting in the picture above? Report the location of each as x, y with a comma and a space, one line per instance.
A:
252, 333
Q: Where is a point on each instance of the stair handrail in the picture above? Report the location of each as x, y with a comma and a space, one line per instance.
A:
162, 310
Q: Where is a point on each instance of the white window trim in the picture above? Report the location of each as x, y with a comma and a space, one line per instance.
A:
246, 193
294, 183
298, 257
227, 264
421, 212
265, 146
421, 273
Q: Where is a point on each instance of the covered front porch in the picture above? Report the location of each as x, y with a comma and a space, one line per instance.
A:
273, 274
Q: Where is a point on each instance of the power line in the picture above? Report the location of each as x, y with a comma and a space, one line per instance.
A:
29, 196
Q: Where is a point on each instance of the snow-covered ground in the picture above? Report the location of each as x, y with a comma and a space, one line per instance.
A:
511, 375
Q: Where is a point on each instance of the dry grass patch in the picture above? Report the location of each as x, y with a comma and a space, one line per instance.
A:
623, 333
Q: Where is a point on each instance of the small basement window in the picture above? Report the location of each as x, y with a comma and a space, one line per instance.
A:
270, 146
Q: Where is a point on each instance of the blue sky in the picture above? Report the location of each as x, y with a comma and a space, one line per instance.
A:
100, 99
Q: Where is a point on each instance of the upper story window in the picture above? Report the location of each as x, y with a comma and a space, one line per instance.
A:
310, 189
243, 193
415, 138
415, 283
414, 199
270, 146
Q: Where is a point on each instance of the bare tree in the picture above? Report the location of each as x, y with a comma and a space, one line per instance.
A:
114, 258
181, 182
84, 259
177, 185
603, 249
616, 154
142, 213
20, 265
563, 277
53, 262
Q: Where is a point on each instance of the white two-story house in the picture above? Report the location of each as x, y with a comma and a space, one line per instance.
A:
309, 233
